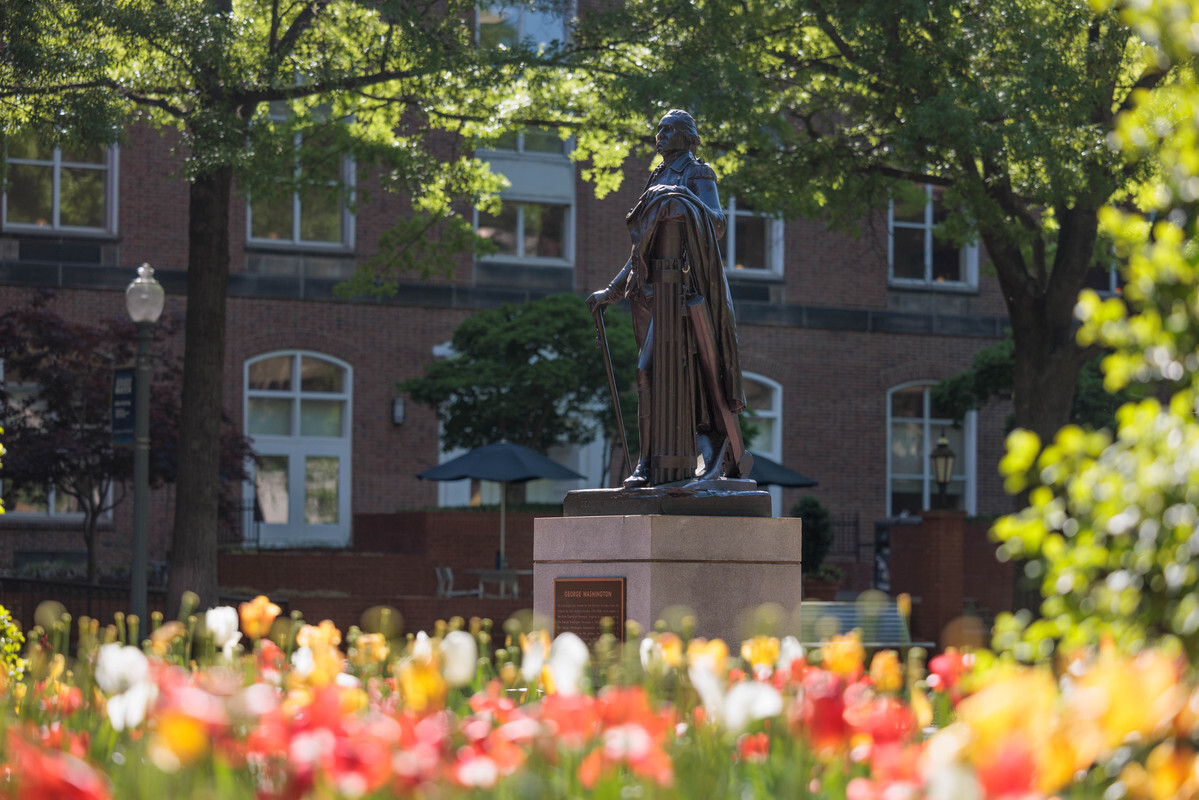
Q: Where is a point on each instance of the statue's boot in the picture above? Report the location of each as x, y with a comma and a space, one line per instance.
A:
640, 477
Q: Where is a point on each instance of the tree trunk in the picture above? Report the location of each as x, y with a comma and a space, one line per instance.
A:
89, 541
197, 490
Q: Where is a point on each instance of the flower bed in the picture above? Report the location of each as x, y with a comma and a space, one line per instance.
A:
236, 704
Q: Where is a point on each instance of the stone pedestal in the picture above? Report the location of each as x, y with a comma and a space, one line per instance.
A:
719, 567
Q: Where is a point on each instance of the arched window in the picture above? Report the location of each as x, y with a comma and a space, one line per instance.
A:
764, 399
297, 412
914, 425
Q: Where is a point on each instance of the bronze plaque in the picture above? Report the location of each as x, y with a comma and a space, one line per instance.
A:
580, 604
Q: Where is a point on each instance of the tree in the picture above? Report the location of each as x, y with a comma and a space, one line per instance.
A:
399, 85
989, 377
528, 374
56, 395
1111, 521
818, 533
834, 109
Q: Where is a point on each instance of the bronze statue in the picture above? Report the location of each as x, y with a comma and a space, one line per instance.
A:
689, 389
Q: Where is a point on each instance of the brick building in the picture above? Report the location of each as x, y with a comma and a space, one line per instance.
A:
840, 339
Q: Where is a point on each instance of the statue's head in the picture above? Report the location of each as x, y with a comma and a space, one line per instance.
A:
676, 132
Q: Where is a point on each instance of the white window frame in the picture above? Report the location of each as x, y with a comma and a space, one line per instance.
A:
568, 234
968, 255
349, 176
297, 532
51, 493
111, 184
774, 448
774, 243
965, 465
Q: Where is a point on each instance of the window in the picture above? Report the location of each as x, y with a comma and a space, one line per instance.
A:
507, 24
297, 411
753, 241
764, 398
914, 427
918, 255
46, 501
313, 216
527, 230
50, 189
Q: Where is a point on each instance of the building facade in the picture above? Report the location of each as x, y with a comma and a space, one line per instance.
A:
841, 337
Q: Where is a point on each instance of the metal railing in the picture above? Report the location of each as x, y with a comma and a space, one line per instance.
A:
847, 538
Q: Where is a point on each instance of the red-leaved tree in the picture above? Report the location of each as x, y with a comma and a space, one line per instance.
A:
56, 406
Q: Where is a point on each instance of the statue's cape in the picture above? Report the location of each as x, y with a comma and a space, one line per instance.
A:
707, 272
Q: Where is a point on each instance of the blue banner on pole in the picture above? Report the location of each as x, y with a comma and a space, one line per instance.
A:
122, 405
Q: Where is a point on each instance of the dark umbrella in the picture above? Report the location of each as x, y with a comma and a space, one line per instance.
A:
503, 463
766, 472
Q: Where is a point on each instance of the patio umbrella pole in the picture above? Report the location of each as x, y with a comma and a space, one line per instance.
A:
503, 514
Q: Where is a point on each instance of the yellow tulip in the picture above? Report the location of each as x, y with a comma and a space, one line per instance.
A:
760, 651
257, 616
844, 655
886, 672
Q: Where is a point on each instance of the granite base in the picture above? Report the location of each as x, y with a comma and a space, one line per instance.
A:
720, 568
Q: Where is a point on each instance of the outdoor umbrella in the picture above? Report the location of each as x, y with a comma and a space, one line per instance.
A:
503, 463
767, 472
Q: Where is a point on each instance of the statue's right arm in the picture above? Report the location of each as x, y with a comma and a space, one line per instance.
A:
614, 292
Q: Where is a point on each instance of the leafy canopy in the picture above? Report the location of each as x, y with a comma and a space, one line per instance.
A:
528, 374
1112, 519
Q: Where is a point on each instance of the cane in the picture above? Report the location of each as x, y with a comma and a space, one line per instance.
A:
601, 341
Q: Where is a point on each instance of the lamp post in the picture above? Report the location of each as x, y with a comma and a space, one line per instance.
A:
144, 299
942, 458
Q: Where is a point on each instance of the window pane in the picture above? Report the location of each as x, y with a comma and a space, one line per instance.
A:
498, 25
271, 218
907, 495
81, 198
269, 416
542, 26
318, 375
907, 448
507, 141
65, 503
320, 418
320, 490
947, 261
908, 403
909, 208
542, 140
271, 483
28, 500
88, 154
273, 374
544, 229
501, 228
30, 194
320, 215
764, 439
24, 144
758, 396
940, 213
751, 243
909, 253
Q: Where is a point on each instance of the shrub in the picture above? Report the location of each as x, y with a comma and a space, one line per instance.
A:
817, 532
11, 641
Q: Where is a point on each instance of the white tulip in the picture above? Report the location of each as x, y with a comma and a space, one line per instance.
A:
459, 658
749, 701
123, 673
120, 667
568, 661
221, 623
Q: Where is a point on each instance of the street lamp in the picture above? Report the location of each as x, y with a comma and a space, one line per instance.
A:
942, 458
144, 299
